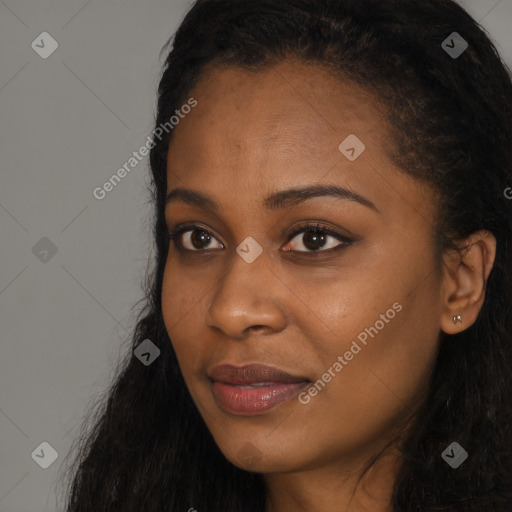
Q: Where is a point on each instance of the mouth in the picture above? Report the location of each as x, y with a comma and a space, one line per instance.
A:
253, 389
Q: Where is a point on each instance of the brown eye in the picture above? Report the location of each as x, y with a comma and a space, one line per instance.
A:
313, 238
194, 238
316, 238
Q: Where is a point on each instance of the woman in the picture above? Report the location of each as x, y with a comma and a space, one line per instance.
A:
331, 299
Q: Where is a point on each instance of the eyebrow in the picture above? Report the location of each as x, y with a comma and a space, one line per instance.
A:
277, 200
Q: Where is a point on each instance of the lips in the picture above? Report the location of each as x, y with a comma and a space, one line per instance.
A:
252, 374
253, 389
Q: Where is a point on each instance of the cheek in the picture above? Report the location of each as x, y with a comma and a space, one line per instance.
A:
178, 303
371, 390
183, 303
385, 326
170, 304
180, 293
386, 360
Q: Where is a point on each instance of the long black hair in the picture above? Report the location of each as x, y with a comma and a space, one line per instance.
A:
147, 447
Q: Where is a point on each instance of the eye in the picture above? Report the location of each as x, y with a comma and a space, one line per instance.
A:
310, 238
315, 238
196, 238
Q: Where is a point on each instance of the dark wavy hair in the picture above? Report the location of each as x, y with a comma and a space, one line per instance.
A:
147, 447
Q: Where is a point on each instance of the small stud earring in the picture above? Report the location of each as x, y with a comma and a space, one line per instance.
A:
457, 318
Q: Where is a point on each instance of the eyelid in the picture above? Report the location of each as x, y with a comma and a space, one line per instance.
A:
318, 226
176, 233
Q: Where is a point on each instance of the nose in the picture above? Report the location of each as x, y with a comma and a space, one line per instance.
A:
249, 297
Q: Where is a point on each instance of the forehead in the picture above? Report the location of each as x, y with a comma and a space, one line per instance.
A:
291, 104
252, 133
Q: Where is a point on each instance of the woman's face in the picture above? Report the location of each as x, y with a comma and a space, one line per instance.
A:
352, 314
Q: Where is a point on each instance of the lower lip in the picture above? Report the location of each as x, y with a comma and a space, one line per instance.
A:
255, 400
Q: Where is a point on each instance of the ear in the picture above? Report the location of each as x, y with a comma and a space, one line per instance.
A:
465, 277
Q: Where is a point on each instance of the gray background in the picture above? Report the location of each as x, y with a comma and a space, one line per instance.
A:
68, 123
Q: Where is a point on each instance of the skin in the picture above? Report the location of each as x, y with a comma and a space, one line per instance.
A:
253, 134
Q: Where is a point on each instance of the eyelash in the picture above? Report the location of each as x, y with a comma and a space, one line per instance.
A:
174, 236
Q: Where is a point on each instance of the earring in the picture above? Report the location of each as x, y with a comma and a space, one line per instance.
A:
457, 318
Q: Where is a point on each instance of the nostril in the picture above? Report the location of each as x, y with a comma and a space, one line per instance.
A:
257, 327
